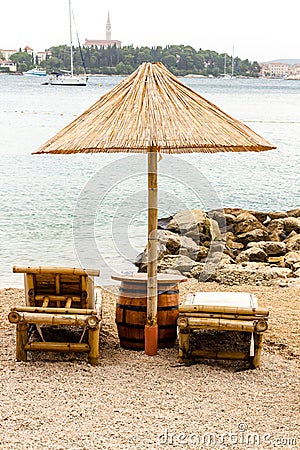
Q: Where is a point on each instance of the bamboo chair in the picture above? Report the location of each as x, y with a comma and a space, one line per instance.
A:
57, 297
221, 311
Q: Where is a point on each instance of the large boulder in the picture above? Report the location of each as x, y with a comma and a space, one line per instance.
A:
277, 215
180, 263
293, 242
187, 220
231, 242
172, 241
196, 225
246, 222
276, 230
294, 212
254, 254
234, 211
271, 248
202, 253
256, 235
223, 219
261, 216
291, 224
215, 231
163, 222
181, 245
142, 259
292, 259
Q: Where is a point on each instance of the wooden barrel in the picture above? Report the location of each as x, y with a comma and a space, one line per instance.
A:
131, 314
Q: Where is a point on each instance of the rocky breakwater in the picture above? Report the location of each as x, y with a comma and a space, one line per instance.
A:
230, 246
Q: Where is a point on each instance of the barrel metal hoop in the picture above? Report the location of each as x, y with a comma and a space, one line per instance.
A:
141, 327
144, 308
144, 291
167, 308
132, 307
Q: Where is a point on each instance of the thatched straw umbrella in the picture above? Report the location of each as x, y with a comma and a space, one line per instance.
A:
151, 111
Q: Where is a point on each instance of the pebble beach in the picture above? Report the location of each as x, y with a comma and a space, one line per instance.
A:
133, 401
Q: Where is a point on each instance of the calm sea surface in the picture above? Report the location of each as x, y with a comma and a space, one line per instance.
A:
91, 210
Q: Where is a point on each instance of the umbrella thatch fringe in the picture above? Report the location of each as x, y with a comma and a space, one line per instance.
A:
151, 107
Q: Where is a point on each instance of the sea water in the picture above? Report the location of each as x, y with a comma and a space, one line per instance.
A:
91, 210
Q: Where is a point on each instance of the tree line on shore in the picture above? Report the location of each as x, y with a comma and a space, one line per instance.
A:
179, 59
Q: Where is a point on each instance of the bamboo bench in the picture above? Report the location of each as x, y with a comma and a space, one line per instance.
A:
221, 311
56, 297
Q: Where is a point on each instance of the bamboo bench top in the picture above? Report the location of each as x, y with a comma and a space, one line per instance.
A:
238, 299
222, 302
60, 270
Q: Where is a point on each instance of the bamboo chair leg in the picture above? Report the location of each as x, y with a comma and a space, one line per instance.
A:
258, 340
21, 340
93, 338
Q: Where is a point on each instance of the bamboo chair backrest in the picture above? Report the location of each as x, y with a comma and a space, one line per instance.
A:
60, 287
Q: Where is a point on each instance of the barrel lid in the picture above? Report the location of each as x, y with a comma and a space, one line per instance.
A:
142, 277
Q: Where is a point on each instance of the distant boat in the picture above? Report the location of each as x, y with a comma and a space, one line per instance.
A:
36, 72
65, 77
225, 75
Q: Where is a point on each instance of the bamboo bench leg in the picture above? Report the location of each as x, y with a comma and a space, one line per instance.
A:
93, 338
21, 340
258, 342
184, 345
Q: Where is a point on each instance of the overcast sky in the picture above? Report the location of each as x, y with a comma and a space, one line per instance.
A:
259, 30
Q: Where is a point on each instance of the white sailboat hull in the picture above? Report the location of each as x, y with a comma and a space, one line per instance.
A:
67, 80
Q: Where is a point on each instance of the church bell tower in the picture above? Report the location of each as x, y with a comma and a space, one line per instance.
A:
108, 28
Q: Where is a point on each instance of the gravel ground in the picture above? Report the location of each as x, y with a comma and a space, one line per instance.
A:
131, 401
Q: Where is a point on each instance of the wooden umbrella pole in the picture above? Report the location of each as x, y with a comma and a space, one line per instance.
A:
151, 328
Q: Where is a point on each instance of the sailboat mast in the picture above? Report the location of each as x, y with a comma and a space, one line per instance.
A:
71, 37
232, 62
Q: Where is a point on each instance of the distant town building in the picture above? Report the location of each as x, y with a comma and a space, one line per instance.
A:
108, 42
29, 50
42, 56
7, 66
277, 69
7, 53
294, 72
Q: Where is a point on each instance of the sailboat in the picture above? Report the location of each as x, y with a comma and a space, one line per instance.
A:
65, 77
226, 75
